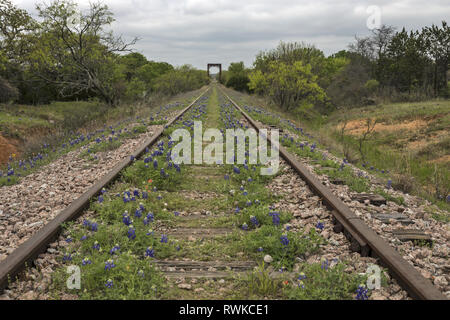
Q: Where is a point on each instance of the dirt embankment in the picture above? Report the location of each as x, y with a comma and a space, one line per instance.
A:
7, 148
357, 127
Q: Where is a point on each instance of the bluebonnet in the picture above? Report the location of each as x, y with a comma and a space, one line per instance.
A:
237, 210
149, 253
150, 217
109, 283
302, 276
138, 213
254, 221
275, 218
86, 261
164, 238
325, 265
131, 233
67, 257
389, 184
244, 226
127, 220
260, 249
284, 240
236, 170
69, 239
100, 199
361, 292
150, 232
83, 238
320, 225
114, 249
141, 273
227, 177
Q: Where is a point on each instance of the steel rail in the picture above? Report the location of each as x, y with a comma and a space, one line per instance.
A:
27, 252
363, 238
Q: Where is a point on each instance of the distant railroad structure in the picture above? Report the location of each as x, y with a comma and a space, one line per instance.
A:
218, 65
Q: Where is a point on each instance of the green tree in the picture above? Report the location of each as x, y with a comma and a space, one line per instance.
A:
437, 41
292, 87
76, 53
237, 76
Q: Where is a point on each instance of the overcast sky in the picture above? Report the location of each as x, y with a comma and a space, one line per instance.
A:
200, 31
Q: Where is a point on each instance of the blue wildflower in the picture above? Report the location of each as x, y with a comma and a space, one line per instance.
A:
389, 184
67, 257
86, 261
149, 253
275, 218
96, 246
361, 292
320, 225
164, 238
284, 240
109, 284
254, 220
138, 213
131, 233
127, 220
244, 226
109, 264
114, 249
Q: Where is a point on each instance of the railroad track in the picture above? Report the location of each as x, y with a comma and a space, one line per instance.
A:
362, 239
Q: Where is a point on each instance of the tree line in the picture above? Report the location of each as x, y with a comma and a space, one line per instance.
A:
398, 66
68, 54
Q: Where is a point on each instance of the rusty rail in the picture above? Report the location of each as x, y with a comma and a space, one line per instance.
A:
364, 239
26, 253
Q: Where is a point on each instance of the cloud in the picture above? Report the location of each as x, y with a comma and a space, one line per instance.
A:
200, 31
